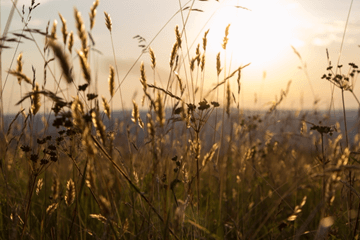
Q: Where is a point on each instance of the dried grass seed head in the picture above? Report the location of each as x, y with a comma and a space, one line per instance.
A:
77, 111
71, 41
178, 36
226, 39
63, 59
198, 54
70, 192
63, 28
53, 30
85, 67
202, 65
135, 113
106, 107
218, 64
205, 40
143, 76
108, 21
112, 81
152, 58
35, 106
19, 66
160, 110
99, 125
92, 13
80, 26
228, 98
173, 53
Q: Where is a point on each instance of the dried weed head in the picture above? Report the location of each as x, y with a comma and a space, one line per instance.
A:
108, 21
70, 192
19, 66
63, 28
106, 107
35, 105
53, 30
85, 66
92, 13
80, 26
71, 41
63, 59
152, 58
112, 81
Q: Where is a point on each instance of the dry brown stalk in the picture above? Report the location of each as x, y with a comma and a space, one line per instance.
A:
20, 76
166, 92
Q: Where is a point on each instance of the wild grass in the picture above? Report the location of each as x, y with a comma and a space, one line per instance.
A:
176, 170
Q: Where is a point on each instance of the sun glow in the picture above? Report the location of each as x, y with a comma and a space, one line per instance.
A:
259, 34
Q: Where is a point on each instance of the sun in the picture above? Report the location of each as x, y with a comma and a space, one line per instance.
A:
260, 31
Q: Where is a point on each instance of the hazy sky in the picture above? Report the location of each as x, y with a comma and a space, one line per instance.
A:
262, 35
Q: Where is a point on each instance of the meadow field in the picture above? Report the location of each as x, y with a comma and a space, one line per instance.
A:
185, 162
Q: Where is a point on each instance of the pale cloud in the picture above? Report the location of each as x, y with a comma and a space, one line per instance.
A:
328, 33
